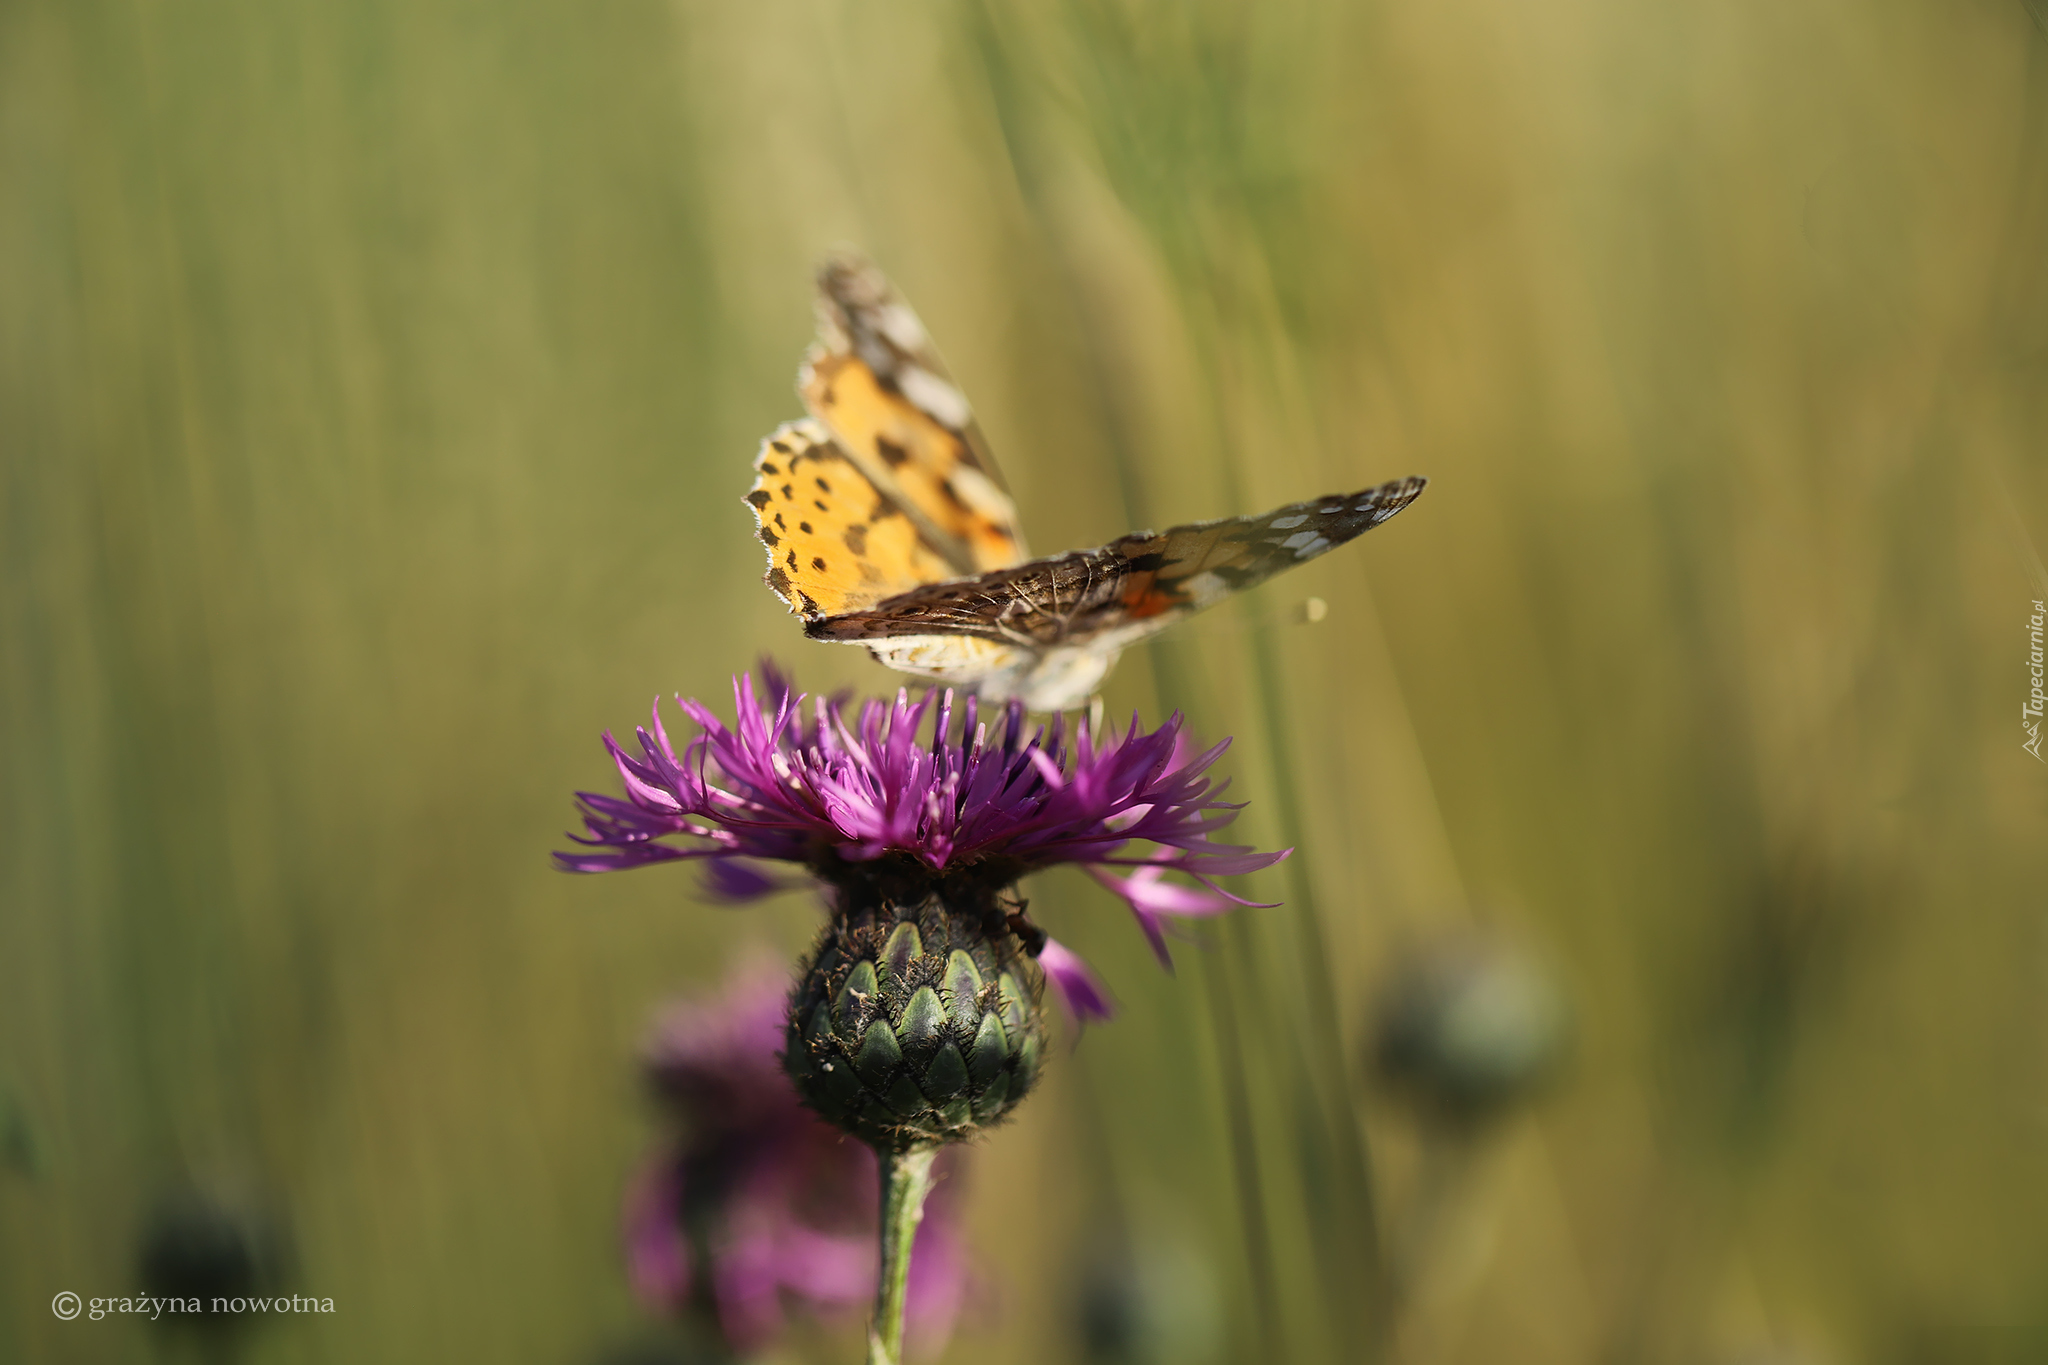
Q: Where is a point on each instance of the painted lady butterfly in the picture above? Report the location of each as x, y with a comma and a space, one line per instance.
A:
887, 525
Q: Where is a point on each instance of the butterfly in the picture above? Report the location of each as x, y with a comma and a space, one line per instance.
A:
888, 525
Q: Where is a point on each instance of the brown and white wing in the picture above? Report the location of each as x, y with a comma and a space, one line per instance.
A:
1128, 588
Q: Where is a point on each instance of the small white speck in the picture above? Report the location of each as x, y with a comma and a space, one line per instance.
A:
1314, 610
828, 1066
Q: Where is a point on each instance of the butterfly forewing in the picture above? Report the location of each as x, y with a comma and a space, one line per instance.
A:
1130, 587
860, 313
876, 383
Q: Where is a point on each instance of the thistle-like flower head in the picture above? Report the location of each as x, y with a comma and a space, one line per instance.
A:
797, 780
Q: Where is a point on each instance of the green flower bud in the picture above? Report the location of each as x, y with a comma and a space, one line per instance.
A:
917, 1020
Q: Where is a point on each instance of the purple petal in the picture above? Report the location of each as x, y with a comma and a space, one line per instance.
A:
1150, 899
1145, 891
621, 858
734, 881
1079, 988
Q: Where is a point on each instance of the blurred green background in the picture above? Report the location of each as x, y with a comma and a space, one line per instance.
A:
377, 386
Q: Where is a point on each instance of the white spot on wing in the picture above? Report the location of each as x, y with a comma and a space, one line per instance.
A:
1205, 588
934, 395
1288, 523
901, 326
979, 491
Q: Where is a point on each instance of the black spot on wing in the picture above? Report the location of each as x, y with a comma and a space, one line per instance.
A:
770, 470
891, 452
805, 527
779, 581
1151, 562
822, 484
769, 538
818, 563
759, 497
856, 538
780, 523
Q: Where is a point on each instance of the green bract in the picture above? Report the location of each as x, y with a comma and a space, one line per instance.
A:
917, 1020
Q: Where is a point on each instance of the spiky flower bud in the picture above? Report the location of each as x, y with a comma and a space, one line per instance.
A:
917, 1018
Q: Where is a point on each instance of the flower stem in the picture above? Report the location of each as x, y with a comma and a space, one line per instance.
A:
906, 1180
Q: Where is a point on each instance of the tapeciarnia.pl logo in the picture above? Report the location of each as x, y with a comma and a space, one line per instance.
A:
2030, 714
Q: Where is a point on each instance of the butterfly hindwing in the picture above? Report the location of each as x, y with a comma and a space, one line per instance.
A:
878, 386
1128, 588
834, 543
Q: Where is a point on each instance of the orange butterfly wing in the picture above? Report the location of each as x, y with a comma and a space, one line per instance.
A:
834, 544
876, 383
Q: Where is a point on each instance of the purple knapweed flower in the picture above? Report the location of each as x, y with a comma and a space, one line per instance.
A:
755, 1211
919, 835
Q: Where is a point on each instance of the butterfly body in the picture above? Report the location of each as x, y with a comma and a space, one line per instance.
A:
887, 526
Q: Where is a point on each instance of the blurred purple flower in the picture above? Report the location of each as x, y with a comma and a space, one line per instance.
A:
735, 881
757, 1210
797, 781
